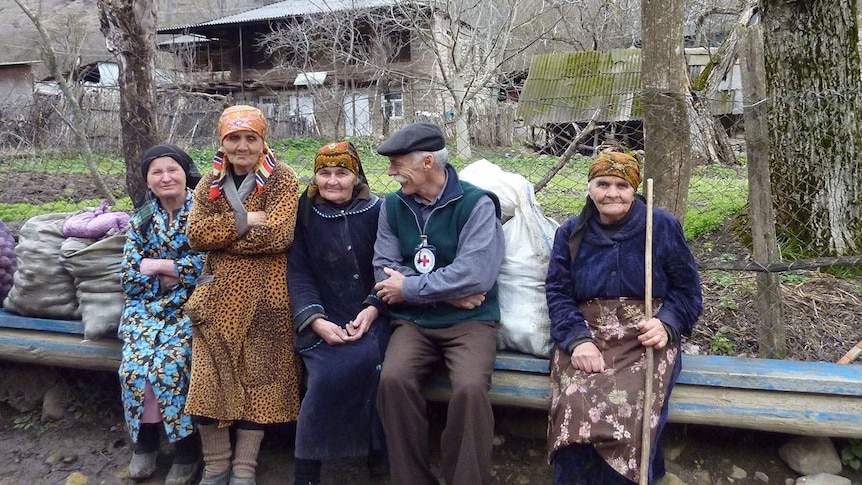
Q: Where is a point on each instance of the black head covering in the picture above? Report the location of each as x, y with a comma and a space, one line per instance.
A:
193, 175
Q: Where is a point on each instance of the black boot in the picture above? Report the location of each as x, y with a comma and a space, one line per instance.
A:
187, 461
143, 464
306, 472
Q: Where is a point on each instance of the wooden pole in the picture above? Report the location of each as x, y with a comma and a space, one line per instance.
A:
851, 355
646, 442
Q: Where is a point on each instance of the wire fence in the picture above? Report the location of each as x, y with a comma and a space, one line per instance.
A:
784, 307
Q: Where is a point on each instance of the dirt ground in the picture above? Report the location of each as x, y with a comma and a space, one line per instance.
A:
90, 444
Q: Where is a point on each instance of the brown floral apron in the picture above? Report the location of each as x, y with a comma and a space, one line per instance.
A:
606, 408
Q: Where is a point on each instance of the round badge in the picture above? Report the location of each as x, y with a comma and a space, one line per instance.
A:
424, 260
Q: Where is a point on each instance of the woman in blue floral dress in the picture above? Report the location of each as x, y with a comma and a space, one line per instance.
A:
159, 271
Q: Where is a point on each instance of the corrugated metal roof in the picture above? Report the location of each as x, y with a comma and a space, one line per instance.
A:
285, 9
562, 88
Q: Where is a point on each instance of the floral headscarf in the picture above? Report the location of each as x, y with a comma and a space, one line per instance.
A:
340, 154
617, 164
241, 118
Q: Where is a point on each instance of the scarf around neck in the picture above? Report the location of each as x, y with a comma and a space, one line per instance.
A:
262, 170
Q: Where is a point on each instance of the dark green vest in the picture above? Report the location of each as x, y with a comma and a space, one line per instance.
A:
442, 228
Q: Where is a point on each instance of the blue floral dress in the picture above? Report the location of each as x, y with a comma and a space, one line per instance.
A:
156, 335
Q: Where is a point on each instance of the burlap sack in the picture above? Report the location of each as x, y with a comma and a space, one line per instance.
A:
95, 266
41, 287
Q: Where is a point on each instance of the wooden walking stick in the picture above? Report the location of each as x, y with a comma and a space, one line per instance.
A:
851, 355
646, 443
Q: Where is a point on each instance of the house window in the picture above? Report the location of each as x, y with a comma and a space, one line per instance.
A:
393, 106
399, 46
269, 106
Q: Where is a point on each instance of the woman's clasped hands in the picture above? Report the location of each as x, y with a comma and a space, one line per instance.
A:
335, 334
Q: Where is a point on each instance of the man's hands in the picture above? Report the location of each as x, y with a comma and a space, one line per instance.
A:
468, 302
390, 290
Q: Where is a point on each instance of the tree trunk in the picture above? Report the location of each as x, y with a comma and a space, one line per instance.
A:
665, 103
129, 27
813, 78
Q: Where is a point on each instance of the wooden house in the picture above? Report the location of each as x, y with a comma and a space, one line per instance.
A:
369, 85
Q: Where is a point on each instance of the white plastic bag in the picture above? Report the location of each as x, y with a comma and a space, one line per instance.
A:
524, 322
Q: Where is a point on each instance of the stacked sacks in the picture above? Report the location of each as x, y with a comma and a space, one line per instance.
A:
92, 254
95, 266
7, 259
41, 286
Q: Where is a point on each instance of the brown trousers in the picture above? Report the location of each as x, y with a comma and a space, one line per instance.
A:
468, 350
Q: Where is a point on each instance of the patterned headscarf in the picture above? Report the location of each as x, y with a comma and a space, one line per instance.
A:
241, 118
617, 164
342, 154
339, 154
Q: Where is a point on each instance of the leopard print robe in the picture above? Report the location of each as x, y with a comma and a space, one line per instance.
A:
243, 363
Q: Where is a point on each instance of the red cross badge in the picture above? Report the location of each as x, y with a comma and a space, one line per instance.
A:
424, 259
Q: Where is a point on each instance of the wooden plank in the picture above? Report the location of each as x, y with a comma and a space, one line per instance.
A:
59, 349
507, 389
771, 374
12, 320
509, 360
778, 411
784, 412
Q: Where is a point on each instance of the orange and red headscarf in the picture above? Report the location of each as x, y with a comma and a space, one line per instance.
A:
617, 164
241, 118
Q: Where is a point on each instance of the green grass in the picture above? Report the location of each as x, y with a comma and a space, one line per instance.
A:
20, 212
104, 164
716, 193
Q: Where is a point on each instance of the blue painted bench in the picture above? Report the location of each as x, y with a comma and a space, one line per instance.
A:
803, 398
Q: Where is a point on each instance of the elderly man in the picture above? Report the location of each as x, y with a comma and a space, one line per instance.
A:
438, 251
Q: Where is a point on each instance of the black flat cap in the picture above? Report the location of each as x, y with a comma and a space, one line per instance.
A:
417, 137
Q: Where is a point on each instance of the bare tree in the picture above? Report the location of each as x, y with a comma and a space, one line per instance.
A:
129, 27
815, 122
78, 122
459, 50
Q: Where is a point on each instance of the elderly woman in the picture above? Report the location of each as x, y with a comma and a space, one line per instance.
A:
595, 292
244, 369
159, 271
339, 322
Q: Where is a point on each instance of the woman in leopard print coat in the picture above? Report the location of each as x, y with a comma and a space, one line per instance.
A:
244, 369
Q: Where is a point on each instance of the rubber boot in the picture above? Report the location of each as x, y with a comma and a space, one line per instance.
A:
143, 464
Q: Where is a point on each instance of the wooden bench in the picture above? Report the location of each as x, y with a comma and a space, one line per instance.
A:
802, 398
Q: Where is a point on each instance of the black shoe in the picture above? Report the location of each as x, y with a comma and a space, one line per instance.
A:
378, 464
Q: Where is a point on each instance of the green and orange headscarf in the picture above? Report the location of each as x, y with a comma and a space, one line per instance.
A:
617, 164
241, 118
